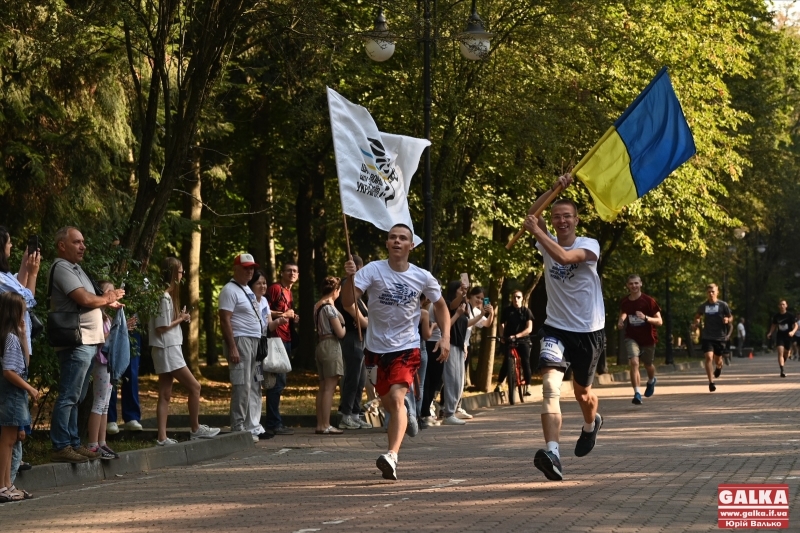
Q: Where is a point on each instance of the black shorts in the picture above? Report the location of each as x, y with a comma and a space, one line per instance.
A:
581, 352
783, 340
718, 347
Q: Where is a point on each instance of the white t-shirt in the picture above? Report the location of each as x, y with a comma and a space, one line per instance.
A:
574, 295
166, 314
482, 322
244, 320
741, 332
265, 314
394, 308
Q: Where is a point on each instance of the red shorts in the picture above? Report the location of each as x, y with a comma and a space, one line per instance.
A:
394, 368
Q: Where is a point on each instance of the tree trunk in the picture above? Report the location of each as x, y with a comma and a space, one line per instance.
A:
305, 263
190, 257
270, 266
483, 381
210, 323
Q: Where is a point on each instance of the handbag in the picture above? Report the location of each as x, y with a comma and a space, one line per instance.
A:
63, 327
277, 360
36, 326
263, 348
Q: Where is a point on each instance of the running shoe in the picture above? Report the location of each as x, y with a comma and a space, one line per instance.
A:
717, 372
104, 455
711, 387
651, 388
461, 413
783, 375
348, 423
169, 442
549, 464
586, 441
388, 466
203, 432
452, 420
362, 423
112, 428
637, 398
106, 449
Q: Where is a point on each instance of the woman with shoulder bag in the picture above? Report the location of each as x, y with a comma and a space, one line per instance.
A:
258, 284
328, 354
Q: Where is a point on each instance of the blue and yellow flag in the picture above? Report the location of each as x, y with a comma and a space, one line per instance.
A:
637, 153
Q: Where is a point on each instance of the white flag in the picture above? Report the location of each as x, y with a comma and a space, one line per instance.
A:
374, 168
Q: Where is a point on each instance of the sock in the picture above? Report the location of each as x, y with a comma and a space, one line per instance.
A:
102, 443
552, 446
393, 455
650, 381
92, 446
636, 390
588, 428
781, 370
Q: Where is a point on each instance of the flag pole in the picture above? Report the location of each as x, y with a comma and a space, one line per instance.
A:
352, 281
554, 192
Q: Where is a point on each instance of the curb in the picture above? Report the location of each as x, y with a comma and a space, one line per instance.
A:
53, 475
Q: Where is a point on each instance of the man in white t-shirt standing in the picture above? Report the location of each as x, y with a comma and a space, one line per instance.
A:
391, 345
572, 335
241, 322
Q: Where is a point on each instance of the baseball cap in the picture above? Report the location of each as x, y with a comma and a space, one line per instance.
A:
245, 260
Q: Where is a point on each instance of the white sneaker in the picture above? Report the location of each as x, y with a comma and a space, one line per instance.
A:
112, 428
255, 438
348, 423
460, 412
388, 466
431, 421
452, 420
363, 423
165, 442
131, 425
203, 432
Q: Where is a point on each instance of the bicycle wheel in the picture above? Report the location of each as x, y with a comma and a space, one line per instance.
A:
512, 378
520, 381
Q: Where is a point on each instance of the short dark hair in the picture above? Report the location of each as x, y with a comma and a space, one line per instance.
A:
476, 290
358, 261
288, 263
257, 273
566, 201
401, 225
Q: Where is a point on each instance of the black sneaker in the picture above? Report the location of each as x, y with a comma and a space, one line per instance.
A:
717, 372
711, 387
549, 464
586, 440
783, 375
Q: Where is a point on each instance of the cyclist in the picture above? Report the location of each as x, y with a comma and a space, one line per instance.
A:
572, 335
517, 325
642, 315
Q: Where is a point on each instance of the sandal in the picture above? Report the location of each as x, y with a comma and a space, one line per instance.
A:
330, 430
9, 495
25, 494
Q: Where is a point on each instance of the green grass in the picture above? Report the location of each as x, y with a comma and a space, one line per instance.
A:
37, 451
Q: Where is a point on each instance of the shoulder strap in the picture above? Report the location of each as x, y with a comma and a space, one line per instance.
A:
316, 316
50, 283
252, 303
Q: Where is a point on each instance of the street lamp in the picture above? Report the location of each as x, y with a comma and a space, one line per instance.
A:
474, 45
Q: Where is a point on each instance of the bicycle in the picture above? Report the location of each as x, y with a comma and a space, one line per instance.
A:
515, 375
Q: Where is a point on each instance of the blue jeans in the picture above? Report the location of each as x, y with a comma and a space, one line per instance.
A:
75, 365
130, 395
273, 419
16, 459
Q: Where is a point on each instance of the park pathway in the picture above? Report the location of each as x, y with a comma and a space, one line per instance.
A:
656, 468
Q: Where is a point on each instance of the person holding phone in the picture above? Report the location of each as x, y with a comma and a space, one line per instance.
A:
24, 284
480, 314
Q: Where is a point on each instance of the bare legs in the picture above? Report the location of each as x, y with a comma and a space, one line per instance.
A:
8, 436
394, 404
185, 378
712, 362
327, 386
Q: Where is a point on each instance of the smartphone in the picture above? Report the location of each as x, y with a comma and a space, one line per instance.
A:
465, 279
33, 244
486, 301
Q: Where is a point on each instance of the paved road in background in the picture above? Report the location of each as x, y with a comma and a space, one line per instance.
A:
656, 468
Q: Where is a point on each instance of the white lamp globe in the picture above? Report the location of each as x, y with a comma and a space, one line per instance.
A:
379, 49
474, 48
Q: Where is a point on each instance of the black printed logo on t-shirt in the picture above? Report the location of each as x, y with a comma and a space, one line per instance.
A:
399, 296
563, 272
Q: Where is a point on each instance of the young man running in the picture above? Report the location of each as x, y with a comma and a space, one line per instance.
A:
572, 335
717, 329
391, 350
786, 326
643, 316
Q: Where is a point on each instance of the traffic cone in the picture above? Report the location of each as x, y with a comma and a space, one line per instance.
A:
751, 354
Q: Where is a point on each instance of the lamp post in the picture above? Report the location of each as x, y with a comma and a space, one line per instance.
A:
474, 45
741, 233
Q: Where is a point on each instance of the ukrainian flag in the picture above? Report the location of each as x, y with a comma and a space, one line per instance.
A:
637, 153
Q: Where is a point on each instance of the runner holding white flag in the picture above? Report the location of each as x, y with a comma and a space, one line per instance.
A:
374, 168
